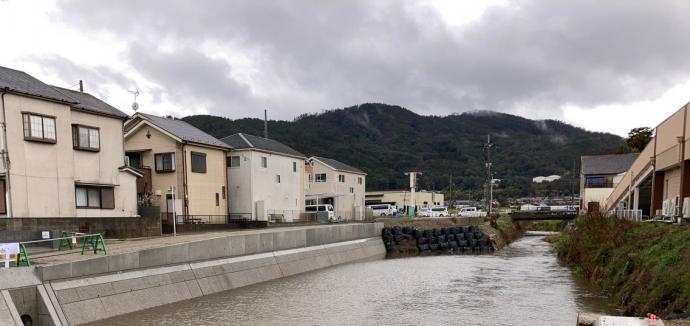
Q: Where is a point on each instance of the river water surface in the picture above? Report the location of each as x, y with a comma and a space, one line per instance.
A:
521, 285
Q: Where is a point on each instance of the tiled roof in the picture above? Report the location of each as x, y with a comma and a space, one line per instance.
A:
89, 102
607, 164
246, 141
339, 166
183, 130
21, 82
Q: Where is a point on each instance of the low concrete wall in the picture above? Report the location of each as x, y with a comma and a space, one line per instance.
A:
27, 229
91, 299
230, 245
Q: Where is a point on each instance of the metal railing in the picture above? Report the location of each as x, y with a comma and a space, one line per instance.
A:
65, 244
202, 219
634, 215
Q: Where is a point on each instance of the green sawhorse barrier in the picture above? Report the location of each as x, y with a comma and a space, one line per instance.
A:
65, 241
23, 256
94, 242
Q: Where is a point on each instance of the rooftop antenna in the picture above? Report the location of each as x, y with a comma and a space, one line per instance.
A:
81, 86
135, 105
266, 124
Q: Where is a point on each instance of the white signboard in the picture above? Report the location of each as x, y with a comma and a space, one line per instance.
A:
7, 249
627, 321
45, 235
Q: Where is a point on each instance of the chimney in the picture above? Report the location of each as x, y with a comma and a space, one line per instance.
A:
81, 86
265, 124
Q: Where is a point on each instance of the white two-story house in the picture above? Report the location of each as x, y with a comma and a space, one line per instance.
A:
336, 183
62, 152
265, 179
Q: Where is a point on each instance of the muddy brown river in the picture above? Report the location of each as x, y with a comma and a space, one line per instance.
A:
521, 285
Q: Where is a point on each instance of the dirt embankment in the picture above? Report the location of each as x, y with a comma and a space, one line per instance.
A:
643, 267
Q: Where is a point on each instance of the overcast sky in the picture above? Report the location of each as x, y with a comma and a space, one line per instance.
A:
602, 65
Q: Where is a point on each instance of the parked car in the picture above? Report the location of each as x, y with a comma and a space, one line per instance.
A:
424, 212
321, 208
439, 211
471, 212
383, 209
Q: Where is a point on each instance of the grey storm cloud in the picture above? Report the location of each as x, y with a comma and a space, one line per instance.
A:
533, 55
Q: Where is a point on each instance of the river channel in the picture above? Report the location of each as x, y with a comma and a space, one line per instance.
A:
521, 285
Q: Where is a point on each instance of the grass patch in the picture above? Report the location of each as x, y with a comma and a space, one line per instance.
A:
643, 267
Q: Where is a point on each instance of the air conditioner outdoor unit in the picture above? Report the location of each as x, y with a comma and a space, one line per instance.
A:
686, 207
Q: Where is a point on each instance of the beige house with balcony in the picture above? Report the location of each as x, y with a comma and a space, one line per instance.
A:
61, 153
336, 183
265, 179
177, 155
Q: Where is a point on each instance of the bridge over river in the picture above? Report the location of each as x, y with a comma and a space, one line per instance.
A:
543, 215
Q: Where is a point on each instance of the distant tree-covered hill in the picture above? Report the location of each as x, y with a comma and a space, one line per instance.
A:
385, 141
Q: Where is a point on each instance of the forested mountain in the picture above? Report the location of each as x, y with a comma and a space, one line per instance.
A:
385, 141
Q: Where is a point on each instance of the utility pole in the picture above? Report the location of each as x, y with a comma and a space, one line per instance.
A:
450, 195
172, 190
488, 195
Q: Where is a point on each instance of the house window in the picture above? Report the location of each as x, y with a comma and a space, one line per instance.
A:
217, 200
359, 180
277, 178
95, 197
198, 162
165, 162
599, 181
222, 191
311, 178
341, 178
86, 138
294, 166
320, 177
264, 162
352, 190
39, 127
234, 162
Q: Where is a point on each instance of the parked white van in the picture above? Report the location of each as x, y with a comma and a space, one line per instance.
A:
439, 211
321, 208
471, 212
383, 209
424, 212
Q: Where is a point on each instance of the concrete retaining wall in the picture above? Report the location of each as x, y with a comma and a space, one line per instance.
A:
28, 228
230, 245
90, 299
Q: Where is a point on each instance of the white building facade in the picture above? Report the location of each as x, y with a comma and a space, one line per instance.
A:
336, 183
265, 179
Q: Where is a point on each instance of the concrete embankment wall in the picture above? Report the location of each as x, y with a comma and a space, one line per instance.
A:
98, 288
230, 245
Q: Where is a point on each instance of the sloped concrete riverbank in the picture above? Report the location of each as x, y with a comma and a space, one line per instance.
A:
88, 290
